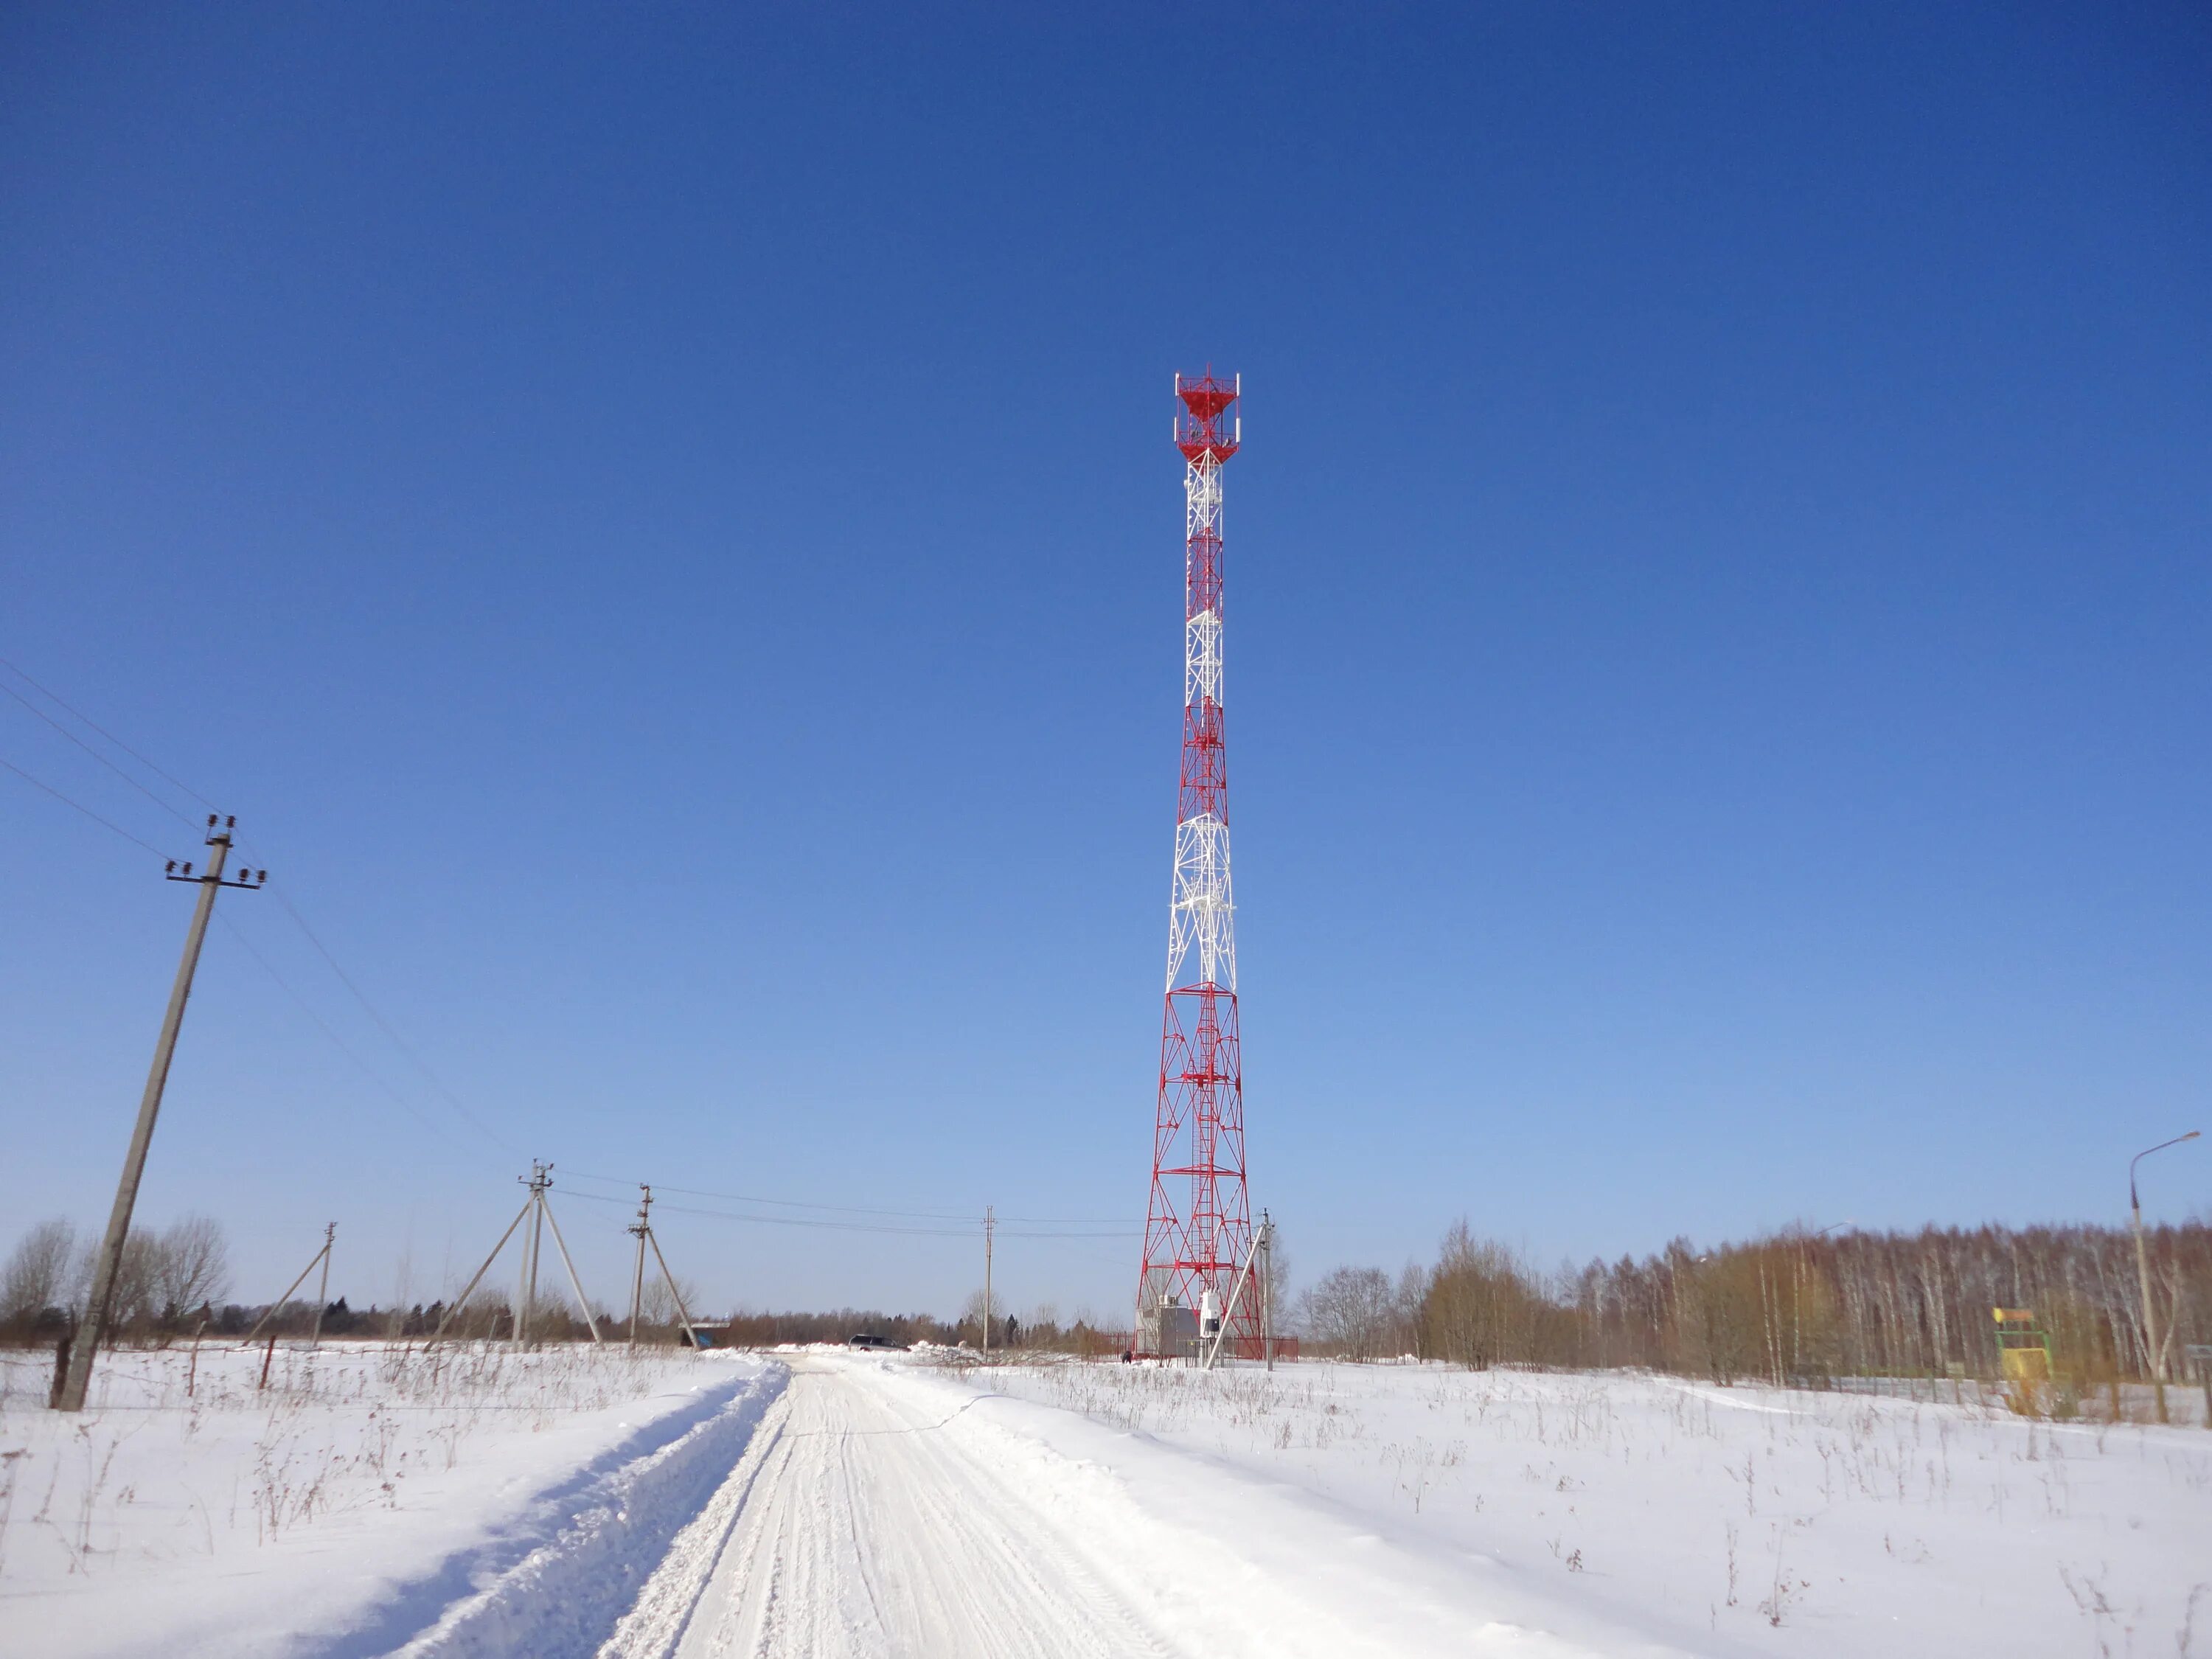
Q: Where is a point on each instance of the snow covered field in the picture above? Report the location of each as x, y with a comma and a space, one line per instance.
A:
665, 1505
354, 1502
1737, 1520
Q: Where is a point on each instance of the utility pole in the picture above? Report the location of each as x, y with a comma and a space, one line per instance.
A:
990, 1221
323, 1292
469, 1290
642, 1230
91, 1328
539, 1212
1268, 1289
683, 1313
1210, 1352
539, 1178
639, 1229
277, 1307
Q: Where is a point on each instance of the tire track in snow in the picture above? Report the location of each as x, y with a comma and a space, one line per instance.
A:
553, 1582
868, 1521
853, 1532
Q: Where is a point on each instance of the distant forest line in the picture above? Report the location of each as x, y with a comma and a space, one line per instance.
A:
1790, 1306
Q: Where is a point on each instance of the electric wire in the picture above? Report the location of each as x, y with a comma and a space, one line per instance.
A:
968, 1215
55, 696
105, 823
290, 909
1009, 1226
839, 1226
41, 714
330, 1032
390, 1032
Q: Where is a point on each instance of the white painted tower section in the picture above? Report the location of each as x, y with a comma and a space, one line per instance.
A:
1201, 910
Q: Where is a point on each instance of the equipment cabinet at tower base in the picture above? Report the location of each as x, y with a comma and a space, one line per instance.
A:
1166, 1330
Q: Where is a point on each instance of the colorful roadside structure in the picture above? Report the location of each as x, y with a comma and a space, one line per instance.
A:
2023, 1346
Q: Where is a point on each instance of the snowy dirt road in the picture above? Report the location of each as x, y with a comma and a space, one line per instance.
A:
880, 1510
857, 1526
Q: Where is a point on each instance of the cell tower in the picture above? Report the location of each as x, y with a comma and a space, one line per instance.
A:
1199, 1230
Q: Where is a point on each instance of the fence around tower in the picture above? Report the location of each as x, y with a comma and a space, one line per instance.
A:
1113, 1345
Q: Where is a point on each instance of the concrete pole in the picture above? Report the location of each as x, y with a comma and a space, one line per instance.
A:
676, 1296
537, 1245
591, 1321
468, 1290
277, 1306
1267, 1290
90, 1328
323, 1294
989, 1221
518, 1330
637, 1280
532, 1243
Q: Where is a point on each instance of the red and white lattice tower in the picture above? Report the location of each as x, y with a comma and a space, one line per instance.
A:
1198, 1233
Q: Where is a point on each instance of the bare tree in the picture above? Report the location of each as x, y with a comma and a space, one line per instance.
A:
1279, 1279
1479, 1304
1352, 1310
971, 1323
658, 1308
191, 1265
39, 1275
131, 1301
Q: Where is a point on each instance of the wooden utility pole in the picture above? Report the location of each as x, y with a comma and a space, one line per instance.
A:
91, 1328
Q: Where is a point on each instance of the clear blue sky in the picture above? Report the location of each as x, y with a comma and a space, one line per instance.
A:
660, 522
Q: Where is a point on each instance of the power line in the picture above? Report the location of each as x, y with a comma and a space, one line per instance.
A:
55, 696
42, 715
785, 1220
387, 1027
328, 1030
105, 823
392, 1033
845, 1226
282, 898
855, 1209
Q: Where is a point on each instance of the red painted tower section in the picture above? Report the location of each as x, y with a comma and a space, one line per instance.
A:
1198, 1232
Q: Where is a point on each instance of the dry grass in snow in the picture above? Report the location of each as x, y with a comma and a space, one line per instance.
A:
1790, 1522
357, 1468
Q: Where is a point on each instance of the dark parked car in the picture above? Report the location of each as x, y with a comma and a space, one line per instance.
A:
870, 1340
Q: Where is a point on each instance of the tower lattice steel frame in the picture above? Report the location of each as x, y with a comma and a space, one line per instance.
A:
1198, 1244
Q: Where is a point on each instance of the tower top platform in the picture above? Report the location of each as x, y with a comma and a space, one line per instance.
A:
1198, 432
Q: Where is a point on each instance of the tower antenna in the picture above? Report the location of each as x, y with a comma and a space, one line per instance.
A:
1198, 1228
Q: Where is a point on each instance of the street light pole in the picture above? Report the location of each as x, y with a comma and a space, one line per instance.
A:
2142, 1265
